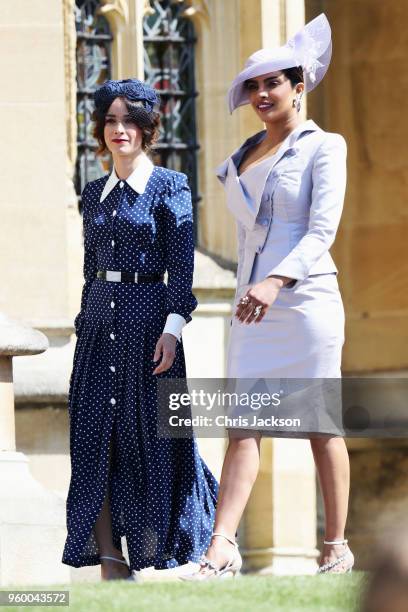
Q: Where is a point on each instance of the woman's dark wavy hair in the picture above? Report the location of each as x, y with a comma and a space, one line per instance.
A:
295, 75
148, 122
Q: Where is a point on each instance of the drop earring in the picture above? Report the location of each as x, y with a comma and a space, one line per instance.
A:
297, 102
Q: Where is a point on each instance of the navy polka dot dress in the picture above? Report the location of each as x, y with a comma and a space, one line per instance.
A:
162, 494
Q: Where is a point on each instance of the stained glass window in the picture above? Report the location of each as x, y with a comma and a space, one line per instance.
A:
93, 68
169, 44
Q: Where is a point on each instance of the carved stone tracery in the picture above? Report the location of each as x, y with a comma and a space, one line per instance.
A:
120, 7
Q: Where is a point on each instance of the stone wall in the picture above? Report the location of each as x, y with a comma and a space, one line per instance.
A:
363, 98
33, 248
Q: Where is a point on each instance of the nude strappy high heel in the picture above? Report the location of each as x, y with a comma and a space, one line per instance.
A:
229, 570
123, 560
348, 557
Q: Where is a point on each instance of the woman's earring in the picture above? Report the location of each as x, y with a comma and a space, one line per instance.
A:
297, 102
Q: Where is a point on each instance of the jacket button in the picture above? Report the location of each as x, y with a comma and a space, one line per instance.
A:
121, 184
113, 243
112, 368
113, 401
114, 213
112, 304
112, 336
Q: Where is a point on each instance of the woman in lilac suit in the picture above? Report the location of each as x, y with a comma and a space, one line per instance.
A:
285, 187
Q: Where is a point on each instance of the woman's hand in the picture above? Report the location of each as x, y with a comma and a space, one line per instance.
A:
254, 304
166, 349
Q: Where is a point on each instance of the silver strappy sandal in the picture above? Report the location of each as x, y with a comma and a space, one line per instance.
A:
123, 560
229, 570
348, 556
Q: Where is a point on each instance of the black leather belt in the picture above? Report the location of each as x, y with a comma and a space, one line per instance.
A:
116, 276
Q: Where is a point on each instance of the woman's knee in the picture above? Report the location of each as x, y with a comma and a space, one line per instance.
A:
326, 444
244, 442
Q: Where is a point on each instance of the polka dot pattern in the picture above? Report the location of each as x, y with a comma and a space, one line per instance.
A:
162, 494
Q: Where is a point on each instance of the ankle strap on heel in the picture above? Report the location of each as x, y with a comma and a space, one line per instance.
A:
216, 533
335, 541
113, 559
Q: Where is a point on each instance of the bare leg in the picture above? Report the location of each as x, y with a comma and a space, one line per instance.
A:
333, 468
103, 535
239, 472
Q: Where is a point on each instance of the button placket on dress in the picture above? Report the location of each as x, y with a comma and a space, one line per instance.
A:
112, 335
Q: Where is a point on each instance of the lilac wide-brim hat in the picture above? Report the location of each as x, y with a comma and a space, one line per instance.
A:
310, 48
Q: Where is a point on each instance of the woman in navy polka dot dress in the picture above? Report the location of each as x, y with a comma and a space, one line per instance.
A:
125, 480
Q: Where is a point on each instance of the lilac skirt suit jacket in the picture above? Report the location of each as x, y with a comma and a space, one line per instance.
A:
287, 209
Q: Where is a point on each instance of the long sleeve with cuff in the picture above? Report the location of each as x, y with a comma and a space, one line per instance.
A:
179, 248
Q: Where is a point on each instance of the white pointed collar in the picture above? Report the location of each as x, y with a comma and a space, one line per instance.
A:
137, 180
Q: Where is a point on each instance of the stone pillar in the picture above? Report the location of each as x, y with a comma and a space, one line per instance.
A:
32, 519
7, 426
279, 527
205, 339
379, 493
126, 21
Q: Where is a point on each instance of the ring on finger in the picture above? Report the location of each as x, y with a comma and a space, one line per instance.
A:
257, 310
244, 301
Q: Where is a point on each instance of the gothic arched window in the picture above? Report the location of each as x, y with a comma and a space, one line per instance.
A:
93, 55
169, 41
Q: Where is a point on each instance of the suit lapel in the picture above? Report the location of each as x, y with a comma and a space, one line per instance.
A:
245, 192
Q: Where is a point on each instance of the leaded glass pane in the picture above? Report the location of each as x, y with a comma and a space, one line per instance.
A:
93, 68
169, 40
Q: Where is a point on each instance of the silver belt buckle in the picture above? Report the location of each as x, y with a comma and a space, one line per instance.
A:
136, 277
113, 276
